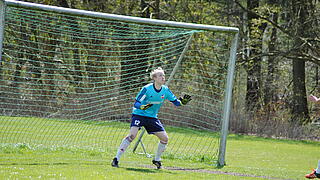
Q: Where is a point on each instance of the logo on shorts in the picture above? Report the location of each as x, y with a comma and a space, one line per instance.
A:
137, 122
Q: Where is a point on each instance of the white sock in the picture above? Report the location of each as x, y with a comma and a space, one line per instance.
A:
318, 169
161, 148
123, 146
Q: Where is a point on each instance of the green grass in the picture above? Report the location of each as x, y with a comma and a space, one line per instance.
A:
248, 157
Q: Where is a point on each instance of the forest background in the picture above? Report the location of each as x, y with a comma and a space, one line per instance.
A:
278, 56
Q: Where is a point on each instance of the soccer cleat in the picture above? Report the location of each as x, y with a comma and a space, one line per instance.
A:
115, 163
312, 175
157, 163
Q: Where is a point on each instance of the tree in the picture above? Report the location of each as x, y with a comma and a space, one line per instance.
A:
302, 25
255, 30
270, 91
299, 31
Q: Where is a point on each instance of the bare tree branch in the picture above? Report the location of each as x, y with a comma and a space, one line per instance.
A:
307, 42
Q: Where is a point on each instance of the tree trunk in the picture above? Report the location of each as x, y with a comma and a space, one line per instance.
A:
157, 9
134, 64
270, 86
300, 112
299, 104
76, 74
254, 59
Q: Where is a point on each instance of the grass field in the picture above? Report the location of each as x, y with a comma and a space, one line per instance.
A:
247, 157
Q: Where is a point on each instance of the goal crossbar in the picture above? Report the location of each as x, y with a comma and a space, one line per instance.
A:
121, 17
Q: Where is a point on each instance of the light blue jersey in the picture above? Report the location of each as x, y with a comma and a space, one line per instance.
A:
150, 95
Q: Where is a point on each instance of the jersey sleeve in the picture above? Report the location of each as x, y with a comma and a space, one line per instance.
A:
141, 95
137, 104
177, 102
170, 96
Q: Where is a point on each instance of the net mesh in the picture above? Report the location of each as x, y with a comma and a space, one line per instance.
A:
70, 81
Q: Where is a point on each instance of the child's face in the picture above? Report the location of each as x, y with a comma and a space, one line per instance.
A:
160, 78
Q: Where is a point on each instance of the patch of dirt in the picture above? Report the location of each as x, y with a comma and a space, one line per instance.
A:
213, 172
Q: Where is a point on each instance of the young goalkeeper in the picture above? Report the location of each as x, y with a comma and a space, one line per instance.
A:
144, 113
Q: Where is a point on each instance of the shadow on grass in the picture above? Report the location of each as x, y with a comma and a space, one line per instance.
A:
142, 170
202, 170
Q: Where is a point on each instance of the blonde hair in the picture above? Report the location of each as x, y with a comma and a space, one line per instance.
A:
155, 71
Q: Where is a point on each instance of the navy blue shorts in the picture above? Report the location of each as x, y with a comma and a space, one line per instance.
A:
152, 125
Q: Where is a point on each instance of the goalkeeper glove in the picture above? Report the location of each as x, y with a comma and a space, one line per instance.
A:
185, 99
144, 107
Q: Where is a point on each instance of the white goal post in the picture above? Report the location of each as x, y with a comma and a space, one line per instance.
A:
232, 49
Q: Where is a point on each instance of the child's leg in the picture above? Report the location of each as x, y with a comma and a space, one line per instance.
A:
162, 144
126, 141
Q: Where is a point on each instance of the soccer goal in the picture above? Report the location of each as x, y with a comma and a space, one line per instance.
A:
68, 78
